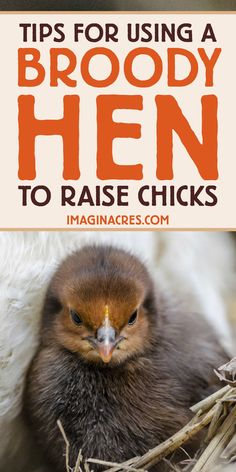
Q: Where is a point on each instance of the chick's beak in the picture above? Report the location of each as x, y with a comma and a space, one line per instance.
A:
106, 342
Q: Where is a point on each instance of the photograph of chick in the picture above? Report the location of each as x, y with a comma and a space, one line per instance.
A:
115, 365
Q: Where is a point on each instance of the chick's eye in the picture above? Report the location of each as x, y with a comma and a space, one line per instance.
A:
75, 317
133, 318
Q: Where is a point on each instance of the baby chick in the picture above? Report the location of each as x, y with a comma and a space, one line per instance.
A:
115, 366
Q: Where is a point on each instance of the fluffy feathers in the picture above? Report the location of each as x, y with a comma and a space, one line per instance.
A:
163, 364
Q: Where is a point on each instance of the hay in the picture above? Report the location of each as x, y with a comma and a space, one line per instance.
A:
216, 415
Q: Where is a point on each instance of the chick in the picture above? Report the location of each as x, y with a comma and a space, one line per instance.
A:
115, 366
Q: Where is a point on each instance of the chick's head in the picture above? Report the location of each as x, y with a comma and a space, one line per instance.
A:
101, 305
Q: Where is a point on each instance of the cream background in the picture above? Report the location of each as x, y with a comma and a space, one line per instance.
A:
49, 105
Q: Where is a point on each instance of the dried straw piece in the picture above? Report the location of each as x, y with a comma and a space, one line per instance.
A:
114, 464
59, 424
227, 372
86, 467
213, 451
123, 465
219, 416
78, 462
208, 402
229, 454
